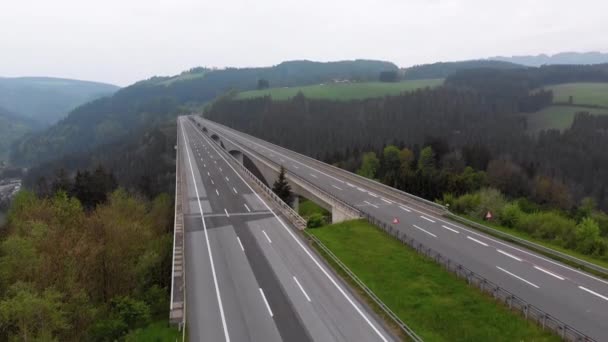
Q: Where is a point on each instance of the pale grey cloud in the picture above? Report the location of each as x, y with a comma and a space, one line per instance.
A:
122, 41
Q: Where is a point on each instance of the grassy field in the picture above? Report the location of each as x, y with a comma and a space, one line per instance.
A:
557, 117
157, 331
436, 304
582, 93
344, 91
308, 207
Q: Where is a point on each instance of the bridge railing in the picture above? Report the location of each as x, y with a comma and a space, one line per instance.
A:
267, 191
439, 209
286, 210
529, 311
330, 197
177, 309
353, 177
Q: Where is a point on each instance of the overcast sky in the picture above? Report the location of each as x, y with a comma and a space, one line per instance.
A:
123, 41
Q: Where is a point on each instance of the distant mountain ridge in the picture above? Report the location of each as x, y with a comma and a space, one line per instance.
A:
593, 57
46, 99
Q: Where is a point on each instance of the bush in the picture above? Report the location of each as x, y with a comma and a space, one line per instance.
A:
549, 226
490, 200
588, 240
510, 215
315, 220
466, 203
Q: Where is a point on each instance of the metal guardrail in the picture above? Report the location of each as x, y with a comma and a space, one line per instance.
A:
532, 245
390, 191
404, 327
529, 311
177, 309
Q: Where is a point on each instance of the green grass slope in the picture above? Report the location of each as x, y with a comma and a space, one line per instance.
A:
343, 91
557, 117
592, 94
433, 302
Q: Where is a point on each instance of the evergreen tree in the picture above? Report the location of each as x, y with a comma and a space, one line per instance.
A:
282, 188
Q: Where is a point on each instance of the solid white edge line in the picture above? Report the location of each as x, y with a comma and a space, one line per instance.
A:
426, 218
226, 211
593, 292
266, 235
303, 247
240, 244
509, 255
450, 229
200, 208
479, 242
301, 288
518, 277
246, 207
266, 302
424, 230
549, 273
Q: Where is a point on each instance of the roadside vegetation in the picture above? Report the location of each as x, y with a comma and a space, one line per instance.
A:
315, 215
85, 261
582, 232
343, 91
537, 208
434, 303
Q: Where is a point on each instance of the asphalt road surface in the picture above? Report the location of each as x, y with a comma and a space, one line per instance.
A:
249, 276
575, 297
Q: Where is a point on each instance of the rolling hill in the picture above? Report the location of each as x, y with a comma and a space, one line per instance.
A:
154, 101
445, 69
589, 94
343, 91
47, 100
569, 99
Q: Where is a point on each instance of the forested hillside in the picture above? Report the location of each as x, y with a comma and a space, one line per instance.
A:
159, 99
143, 163
46, 100
445, 69
472, 121
12, 128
